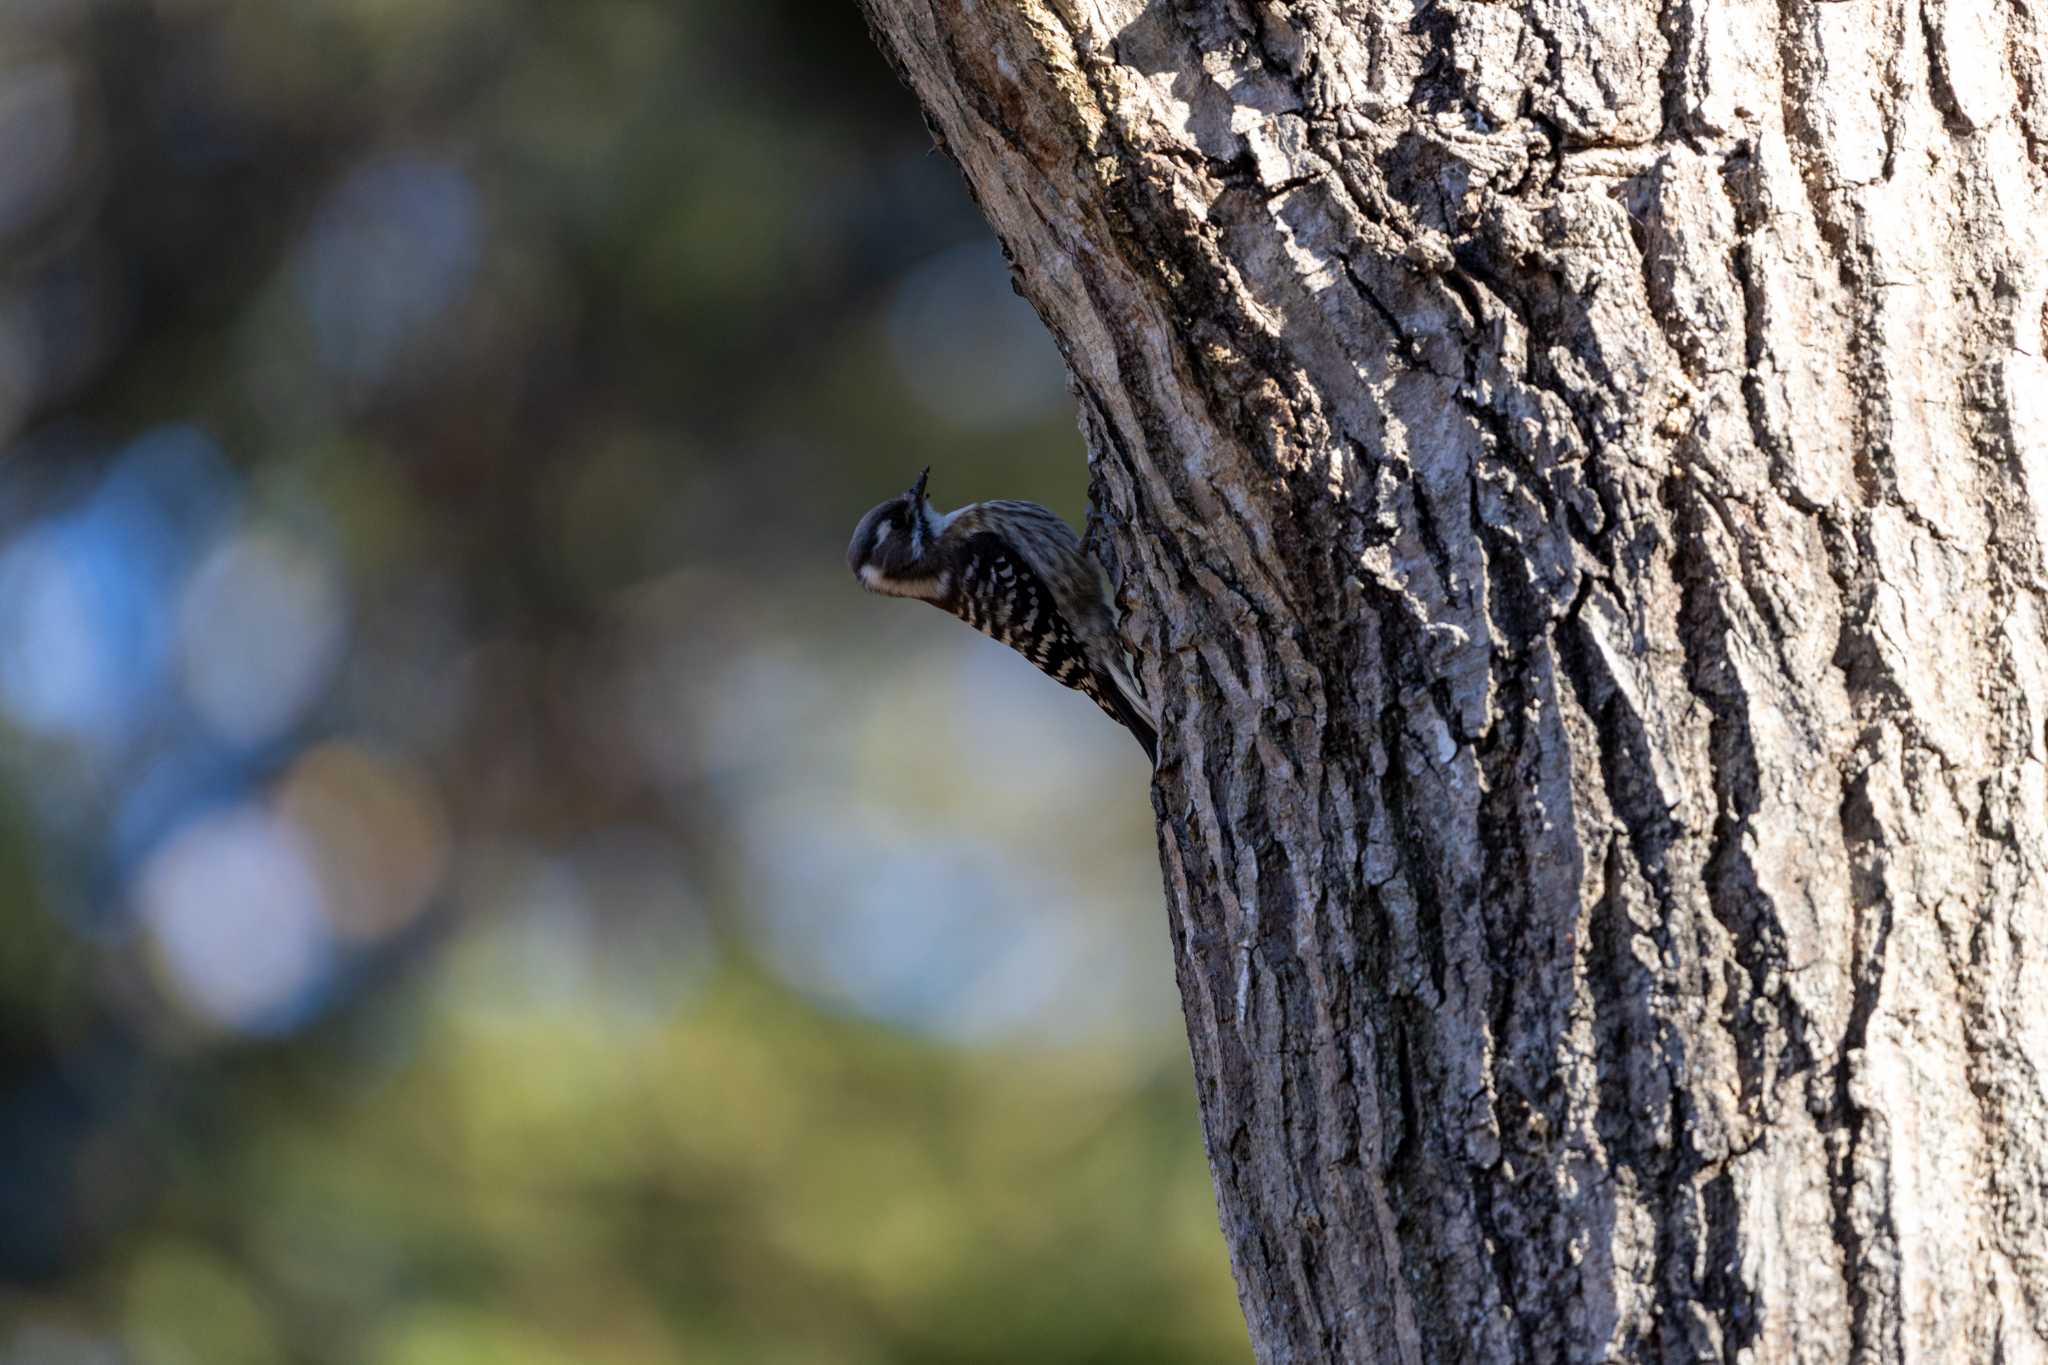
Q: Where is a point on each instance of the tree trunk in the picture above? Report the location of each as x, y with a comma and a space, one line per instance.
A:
1578, 475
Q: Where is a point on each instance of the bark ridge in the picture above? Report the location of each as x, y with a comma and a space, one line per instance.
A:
1577, 474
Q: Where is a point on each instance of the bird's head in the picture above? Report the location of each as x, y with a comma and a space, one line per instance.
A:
892, 548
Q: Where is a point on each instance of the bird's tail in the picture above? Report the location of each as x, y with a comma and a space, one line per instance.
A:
1122, 698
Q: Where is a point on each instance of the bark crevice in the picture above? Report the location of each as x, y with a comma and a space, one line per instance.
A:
1574, 482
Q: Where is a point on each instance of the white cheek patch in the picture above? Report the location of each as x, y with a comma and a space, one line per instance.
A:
882, 537
874, 580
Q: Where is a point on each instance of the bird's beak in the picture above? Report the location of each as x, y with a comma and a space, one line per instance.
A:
917, 489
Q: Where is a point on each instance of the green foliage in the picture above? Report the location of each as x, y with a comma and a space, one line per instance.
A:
746, 1180
477, 881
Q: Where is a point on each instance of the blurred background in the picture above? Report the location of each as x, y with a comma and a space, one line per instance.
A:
478, 882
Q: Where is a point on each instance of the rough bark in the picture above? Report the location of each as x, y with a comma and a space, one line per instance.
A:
1578, 475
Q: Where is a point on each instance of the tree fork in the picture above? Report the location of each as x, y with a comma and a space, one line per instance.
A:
1578, 474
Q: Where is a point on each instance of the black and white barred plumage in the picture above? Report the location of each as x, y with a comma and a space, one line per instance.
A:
1016, 573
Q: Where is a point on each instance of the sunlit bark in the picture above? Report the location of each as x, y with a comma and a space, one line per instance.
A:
1578, 474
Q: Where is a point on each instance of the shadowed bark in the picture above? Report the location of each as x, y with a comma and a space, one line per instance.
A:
1577, 476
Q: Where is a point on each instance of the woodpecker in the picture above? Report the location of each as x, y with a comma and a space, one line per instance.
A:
1016, 573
